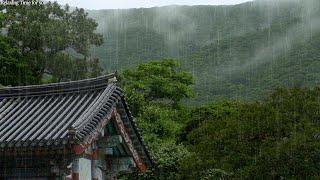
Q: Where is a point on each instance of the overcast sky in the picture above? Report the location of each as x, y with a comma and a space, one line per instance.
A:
125, 4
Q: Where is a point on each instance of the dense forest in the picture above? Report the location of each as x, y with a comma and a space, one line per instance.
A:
241, 51
219, 92
277, 137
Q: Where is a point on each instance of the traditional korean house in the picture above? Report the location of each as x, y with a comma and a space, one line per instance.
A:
73, 130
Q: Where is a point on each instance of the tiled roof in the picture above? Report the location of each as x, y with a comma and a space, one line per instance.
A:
44, 115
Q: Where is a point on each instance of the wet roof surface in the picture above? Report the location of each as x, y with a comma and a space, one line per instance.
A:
43, 114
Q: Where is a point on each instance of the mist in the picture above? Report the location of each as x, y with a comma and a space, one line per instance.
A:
219, 45
301, 32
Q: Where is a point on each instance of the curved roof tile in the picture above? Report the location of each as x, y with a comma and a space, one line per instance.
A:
43, 115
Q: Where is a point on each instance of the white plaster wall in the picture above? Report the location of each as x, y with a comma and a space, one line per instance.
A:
84, 169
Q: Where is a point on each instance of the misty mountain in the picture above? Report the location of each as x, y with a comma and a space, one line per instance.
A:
241, 51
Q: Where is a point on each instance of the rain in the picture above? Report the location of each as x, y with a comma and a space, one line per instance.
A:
225, 89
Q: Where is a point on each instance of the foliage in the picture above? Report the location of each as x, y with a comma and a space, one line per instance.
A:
162, 82
234, 52
243, 55
215, 110
159, 122
45, 33
168, 156
13, 67
276, 138
152, 89
62, 67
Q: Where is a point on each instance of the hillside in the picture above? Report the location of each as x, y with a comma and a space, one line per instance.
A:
239, 51
253, 67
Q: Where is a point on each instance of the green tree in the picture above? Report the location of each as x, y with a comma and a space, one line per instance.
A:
14, 69
159, 81
195, 116
44, 32
277, 138
154, 90
64, 67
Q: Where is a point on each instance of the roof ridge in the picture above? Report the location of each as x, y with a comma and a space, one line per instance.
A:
79, 85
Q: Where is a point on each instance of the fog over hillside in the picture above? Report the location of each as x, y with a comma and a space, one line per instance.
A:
109, 94
239, 51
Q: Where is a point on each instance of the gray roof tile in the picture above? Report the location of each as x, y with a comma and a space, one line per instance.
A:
42, 115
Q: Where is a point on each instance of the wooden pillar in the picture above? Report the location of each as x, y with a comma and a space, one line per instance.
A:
75, 169
96, 175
